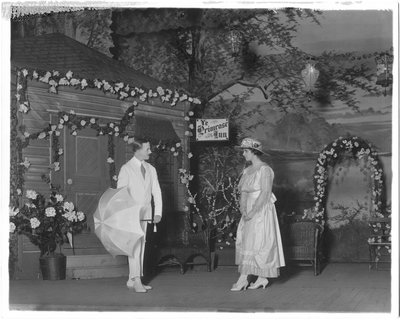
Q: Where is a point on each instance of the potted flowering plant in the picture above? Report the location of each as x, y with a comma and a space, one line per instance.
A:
212, 207
48, 223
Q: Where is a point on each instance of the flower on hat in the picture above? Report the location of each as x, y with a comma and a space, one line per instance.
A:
250, 143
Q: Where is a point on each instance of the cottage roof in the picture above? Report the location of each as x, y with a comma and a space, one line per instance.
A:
56, 51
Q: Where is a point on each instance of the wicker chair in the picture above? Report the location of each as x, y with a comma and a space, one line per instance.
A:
380, 238
302, 243
176, 245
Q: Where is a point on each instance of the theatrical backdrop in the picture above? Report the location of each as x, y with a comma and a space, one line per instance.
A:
322, 108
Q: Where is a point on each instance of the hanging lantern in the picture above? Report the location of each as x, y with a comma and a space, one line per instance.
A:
383, 70
310, 75
235, 41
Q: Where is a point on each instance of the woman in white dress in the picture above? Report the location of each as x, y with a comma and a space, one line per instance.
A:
258, 240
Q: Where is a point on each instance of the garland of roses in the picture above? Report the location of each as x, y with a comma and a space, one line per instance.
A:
55, 79
359, 149
75, 122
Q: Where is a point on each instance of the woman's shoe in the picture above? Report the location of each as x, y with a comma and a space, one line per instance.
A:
136, 284
259, 283
238, 286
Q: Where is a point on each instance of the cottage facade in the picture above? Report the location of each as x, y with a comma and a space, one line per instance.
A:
84, 172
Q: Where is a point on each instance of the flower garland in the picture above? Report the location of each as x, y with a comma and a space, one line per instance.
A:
123, 90
359, 149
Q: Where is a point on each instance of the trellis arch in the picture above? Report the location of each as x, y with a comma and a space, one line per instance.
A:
330, 155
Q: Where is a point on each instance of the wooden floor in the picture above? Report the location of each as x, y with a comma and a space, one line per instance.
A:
339, 288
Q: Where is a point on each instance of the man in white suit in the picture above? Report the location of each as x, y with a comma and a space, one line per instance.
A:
141, 179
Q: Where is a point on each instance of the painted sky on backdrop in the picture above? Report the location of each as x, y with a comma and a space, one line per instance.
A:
348, 30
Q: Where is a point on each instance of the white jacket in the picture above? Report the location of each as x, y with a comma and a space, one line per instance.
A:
141, 189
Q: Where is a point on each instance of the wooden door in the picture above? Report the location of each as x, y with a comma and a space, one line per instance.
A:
86, 177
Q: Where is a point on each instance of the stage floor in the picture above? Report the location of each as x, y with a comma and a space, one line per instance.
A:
341, 287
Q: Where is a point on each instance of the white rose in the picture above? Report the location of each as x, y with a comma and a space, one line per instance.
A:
50, 212
68, 206
23, 108
59, 197
31, 194
72, 216
34, 223
12, 227
63, 82
92, 120
83, 122
80, 215
84, 83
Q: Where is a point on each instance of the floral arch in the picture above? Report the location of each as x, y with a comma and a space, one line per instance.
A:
330, 155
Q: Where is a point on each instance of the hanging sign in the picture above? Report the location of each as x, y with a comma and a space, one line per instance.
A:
212, 129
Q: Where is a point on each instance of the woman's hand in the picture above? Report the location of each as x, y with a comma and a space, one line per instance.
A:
248, 216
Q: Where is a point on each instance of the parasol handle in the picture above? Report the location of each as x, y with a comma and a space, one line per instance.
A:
151, 220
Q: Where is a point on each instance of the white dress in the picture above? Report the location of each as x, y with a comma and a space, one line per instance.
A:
258, 241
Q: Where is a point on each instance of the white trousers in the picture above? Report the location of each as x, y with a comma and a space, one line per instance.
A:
136, 261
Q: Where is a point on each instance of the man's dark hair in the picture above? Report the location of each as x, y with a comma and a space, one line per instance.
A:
138, 143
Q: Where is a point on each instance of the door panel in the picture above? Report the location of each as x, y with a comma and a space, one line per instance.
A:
85, 180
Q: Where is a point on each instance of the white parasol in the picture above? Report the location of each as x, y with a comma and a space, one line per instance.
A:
117, 222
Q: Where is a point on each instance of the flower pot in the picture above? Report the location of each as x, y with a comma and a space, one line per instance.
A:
53, 267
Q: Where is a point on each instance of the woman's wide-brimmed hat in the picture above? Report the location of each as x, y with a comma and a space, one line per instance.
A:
250, 143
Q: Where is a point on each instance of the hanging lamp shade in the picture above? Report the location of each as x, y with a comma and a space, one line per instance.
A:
310, 76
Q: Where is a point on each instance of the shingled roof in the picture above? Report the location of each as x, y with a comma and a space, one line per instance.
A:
58, 52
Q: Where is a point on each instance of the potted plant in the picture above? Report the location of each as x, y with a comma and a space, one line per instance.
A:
48, 223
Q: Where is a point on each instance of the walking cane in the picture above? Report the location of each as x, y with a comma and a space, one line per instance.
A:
155, 225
